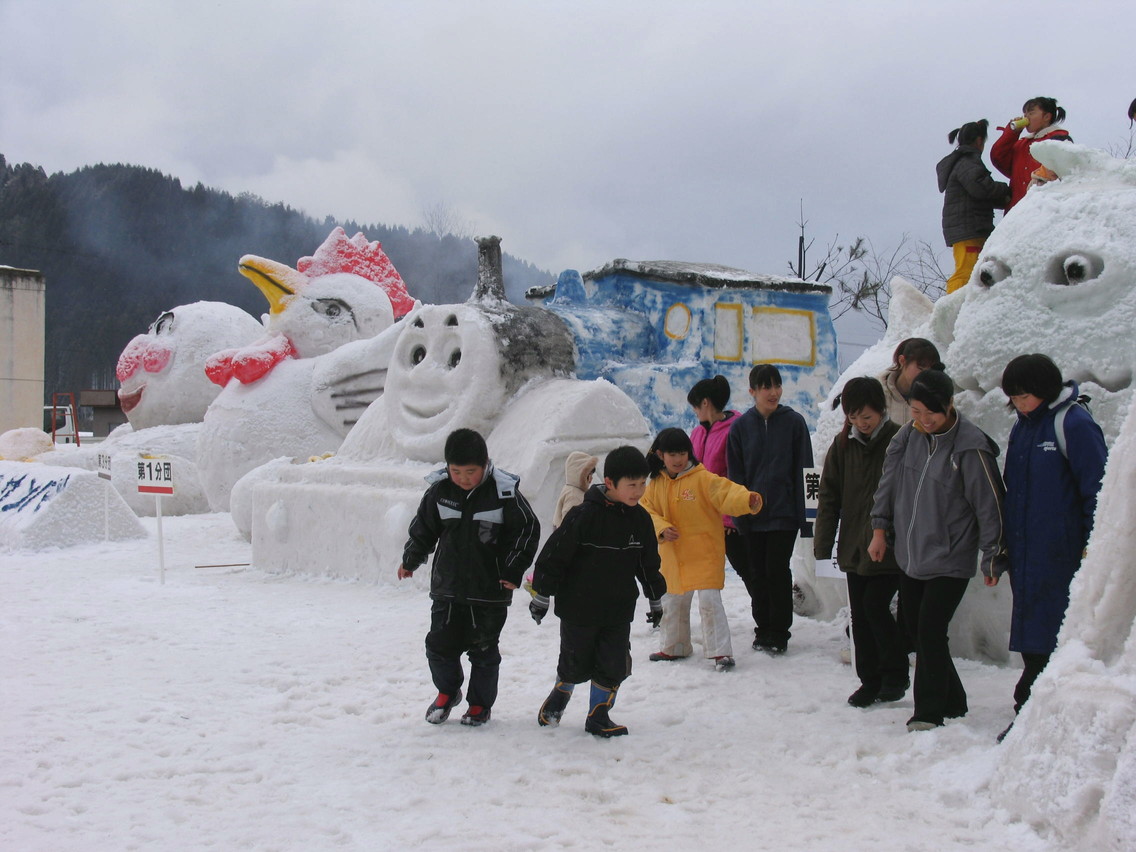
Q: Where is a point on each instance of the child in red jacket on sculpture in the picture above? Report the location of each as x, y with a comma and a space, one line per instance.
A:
1010, 153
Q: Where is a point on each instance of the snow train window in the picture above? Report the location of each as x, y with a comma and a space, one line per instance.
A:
783, 336
729, 335
677, 324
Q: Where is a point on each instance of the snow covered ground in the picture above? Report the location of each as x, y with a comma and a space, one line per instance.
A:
232, 709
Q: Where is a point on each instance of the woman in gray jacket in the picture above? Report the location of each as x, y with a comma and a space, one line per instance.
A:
940, 496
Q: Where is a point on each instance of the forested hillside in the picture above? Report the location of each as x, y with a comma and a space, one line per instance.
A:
120, 244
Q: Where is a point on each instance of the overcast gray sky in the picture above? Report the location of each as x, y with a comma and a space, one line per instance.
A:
578, 131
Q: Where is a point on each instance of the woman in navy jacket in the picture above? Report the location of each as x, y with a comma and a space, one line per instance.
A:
1054, 464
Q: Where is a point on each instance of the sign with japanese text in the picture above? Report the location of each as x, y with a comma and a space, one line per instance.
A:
155, 475
104, 466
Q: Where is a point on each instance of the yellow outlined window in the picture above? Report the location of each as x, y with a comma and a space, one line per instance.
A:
729, 332
677, 324
783, 336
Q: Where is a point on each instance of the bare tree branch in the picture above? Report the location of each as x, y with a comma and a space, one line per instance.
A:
860, 275
443, 220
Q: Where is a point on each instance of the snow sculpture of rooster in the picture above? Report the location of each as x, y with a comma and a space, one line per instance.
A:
297, 391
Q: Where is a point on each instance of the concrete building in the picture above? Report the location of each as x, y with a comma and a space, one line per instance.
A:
22, 320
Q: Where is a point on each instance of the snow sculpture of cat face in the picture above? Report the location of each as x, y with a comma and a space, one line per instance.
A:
1057, 276
162, 372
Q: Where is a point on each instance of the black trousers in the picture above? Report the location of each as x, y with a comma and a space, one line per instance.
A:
881, 655
929, 606
737, 552
457, 629
589, 652
769, 581
1034, 665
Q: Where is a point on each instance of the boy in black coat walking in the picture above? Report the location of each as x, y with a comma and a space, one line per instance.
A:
590, 565
486, 535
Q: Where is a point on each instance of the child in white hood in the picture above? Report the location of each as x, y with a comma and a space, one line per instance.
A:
579, 468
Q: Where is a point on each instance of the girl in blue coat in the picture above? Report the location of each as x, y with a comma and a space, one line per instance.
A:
1054, 464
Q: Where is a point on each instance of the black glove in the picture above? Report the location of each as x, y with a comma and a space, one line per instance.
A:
538, 608
655, 613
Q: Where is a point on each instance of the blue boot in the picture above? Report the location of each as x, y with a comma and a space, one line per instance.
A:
598, 721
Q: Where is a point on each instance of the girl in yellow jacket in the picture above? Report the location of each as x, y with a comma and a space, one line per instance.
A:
686, 502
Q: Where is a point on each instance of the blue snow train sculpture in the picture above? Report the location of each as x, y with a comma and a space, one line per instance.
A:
654, 328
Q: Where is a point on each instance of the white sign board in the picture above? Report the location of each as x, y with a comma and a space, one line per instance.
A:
155, 475
104, 466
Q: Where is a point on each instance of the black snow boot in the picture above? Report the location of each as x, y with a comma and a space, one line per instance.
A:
553, 707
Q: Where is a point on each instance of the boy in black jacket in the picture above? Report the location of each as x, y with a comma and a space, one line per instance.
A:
486, 535
590, 565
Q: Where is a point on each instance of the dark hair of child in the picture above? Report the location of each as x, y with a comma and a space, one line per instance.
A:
466, 447
764, 376
859, 393
934, 389
863, 392
717, 390
670, 440
919, 350
625, 463
969, 133
1048, 105
1035, 374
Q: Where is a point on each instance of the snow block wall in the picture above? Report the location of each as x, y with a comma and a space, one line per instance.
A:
43, 506
1070, 760
348, 516
654, 328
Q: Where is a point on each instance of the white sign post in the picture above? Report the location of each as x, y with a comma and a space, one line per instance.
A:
155, 475
811, 485
104, 473
824, 567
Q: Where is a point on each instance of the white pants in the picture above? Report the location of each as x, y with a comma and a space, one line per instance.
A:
674, 638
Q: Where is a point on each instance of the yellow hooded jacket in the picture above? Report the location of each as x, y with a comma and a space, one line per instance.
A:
694, 502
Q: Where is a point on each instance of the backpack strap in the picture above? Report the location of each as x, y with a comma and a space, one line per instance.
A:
1059, 421
1059, 428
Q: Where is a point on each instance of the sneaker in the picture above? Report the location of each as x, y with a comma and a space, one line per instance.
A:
475, 716
659, 656
760, 640
775, 649
553, 707
723, 664
865, 696
892, 692
919, 725
440, 707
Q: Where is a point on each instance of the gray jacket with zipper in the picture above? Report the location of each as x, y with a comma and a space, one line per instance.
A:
941, 495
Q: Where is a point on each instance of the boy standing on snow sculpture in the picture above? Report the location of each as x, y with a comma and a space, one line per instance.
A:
486, 535
590, 565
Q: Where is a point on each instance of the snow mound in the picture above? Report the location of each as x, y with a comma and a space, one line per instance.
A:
43, 507
22, 444
1070, 760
